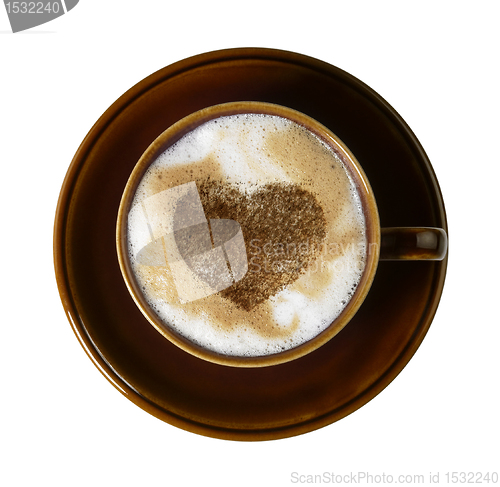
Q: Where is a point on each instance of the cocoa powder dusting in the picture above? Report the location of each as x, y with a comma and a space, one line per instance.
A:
283, 226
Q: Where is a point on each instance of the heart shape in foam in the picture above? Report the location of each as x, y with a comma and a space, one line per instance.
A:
282, 225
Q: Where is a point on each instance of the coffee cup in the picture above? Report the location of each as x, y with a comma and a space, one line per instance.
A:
248, 234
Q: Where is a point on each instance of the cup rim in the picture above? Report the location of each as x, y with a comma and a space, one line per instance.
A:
174, 133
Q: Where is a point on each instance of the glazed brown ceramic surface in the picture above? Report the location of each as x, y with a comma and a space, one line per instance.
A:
254, 403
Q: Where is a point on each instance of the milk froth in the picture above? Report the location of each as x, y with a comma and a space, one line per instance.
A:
247, 236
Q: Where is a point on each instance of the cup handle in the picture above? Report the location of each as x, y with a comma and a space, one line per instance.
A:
413, 243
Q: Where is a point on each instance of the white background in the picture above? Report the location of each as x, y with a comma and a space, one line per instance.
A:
436, 63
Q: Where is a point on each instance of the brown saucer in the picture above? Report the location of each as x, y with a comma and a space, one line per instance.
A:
215, 400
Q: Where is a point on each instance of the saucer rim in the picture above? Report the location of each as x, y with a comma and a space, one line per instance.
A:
77, 165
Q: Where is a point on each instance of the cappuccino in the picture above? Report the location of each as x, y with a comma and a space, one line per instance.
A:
247, 236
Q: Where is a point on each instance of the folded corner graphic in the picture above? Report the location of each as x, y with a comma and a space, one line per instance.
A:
24, 15
203, 257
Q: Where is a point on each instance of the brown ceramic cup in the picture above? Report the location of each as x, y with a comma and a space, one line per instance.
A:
381, 243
